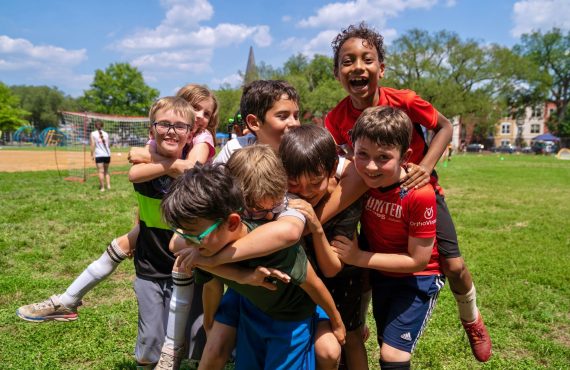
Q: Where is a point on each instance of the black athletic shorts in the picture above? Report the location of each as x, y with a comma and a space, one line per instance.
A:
102, 159
446, 237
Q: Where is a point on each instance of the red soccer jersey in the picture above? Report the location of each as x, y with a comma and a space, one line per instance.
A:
341, 118
389, 217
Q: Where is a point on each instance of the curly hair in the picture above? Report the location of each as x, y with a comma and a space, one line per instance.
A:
360, 31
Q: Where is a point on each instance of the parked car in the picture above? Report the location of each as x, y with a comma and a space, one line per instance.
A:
527, 150
475, 148
506, 148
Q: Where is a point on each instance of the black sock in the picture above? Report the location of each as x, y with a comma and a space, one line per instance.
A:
385, 365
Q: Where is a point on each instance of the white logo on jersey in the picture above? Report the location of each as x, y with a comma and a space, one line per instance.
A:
406, 336
428, 213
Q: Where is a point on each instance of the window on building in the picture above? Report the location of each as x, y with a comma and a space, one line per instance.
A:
535, 128
537, 111
506, 128
505, 142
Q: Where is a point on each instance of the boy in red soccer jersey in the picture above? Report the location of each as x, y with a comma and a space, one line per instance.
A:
399, 225
358, 65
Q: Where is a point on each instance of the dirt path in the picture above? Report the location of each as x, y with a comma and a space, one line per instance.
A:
40, 160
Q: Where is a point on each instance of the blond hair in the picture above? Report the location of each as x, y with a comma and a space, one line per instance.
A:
260, 173
194, 94
175, 104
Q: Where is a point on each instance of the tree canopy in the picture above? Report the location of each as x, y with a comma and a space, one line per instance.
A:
11, 115
119, 89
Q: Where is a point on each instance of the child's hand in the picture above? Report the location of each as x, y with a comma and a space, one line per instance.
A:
346, 249
416, 176
339, 331
307, 210
265, 277
139, 155
187, 259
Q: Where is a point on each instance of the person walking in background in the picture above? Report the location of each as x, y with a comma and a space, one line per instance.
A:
101, 154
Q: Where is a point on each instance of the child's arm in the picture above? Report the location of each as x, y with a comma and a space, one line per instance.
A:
265, 239
319, 293
349, 189
159, 165
211, 297
328, 260
416, 259
92, 146
419, 174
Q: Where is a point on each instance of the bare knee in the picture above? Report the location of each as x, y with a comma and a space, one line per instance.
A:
327, 348
391, 354
454, 268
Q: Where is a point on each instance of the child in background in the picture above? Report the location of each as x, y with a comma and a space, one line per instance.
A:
101, 154
399, 225
310, 159
358, 66
274, 329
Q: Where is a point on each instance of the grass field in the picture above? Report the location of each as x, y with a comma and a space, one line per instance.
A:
513, 221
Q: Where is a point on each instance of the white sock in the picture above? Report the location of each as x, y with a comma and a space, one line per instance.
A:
467, 305
179, 309
97, 271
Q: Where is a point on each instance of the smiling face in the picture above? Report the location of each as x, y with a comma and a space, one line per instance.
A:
283, 115
359, 71
311, 188
378, 166
203, 111
169, 144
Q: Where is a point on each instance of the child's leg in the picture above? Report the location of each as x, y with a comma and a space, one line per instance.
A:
221, 341
107, 175
101, 175
461, 283
152, 298
327, 348
355, 351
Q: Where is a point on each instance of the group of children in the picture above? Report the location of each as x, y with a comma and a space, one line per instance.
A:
274, 217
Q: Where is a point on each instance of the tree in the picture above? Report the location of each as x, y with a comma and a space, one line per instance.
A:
43, 103
460, 78
120, 89
550, 53
228, 103
11, 115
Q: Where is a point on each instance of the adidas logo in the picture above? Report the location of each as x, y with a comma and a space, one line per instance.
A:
406, 336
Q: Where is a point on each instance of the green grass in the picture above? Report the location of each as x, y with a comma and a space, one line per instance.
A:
512, 217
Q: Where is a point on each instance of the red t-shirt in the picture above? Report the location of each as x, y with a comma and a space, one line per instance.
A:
389, 218
342, 117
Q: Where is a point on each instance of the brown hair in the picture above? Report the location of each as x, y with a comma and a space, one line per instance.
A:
369, 36
260, 173
308, 150
194, 94
175, 104
386, 126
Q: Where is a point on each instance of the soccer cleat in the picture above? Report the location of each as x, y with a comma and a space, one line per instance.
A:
479, 339
50, 309
170, 358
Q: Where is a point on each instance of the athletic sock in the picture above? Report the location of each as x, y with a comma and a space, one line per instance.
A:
97, 271
385, 365
467, 305
179, 309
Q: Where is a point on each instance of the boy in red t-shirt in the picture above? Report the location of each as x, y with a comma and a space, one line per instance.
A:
399, 225
358, 65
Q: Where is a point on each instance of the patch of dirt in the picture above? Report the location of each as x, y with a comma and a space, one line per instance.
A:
42, 160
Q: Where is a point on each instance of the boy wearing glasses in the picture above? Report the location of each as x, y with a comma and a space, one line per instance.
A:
274, 329
172, 119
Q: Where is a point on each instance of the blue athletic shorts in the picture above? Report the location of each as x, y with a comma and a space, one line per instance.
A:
265, 343
402, 307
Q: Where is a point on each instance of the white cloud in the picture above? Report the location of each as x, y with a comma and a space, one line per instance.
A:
233, 80
186, 13
537, 15
372, 11
196, 61
286, 18
19, 49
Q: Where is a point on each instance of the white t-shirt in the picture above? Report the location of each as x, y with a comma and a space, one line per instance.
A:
101, 145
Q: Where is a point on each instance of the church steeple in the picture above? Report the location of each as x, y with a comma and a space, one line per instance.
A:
251, 70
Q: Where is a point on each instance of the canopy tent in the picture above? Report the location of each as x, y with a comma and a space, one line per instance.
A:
546, 137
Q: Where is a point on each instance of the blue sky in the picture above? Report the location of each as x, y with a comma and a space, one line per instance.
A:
173, 42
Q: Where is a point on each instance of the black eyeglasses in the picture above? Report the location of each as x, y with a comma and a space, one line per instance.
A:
262, 213
163, 127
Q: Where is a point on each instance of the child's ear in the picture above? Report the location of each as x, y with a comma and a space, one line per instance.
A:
151, 133
382, 66
406, 156
333, 171
234, 221
252, 122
